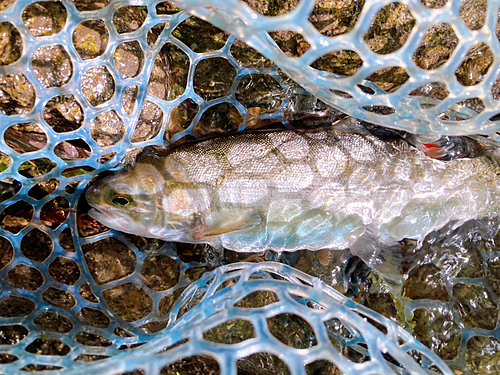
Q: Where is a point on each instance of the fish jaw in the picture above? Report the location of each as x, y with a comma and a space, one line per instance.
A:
127, 225
111, 220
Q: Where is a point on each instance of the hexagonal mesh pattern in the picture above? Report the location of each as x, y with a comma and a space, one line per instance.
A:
420, 66
237, 314
85, 85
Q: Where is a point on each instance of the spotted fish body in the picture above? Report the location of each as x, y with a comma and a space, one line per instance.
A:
288, 190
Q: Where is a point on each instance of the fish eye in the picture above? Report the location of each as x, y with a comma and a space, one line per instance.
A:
122, 201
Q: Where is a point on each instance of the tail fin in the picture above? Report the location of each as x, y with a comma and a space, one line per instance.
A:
447, 147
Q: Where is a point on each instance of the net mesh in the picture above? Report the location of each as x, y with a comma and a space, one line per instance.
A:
85, 85
409, 65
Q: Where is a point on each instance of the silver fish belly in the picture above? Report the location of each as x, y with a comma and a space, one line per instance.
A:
287, 191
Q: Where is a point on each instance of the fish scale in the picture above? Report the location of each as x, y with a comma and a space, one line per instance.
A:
287, 191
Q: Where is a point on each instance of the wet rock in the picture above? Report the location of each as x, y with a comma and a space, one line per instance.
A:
17, 94
221, 118
44, 18
436, 328
24, 277
436, 47
475, 65
129, 18
200, 36
424, 282
272, 8
63, 113
160, 272
291, 43
90, 39
11, 44
98, 85
248, 57
129, 59
91, 339
231, 332
387, 305
475, 305
213, 78
129, 301
59, 298
292, 330
262, 364
149, 123
328, 265
483, 355
333, 18
168, 78
52, 66
52, 321
107, 128
493, 274
390, 28
109, 259
46, 346
180, 118
200, 364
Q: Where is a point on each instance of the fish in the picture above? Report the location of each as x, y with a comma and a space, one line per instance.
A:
291, 190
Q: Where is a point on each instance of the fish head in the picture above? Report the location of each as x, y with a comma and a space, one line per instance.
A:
145, 202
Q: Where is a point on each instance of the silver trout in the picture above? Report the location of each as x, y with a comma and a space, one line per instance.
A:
289, 190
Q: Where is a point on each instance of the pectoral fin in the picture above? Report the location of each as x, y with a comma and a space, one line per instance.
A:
236, 225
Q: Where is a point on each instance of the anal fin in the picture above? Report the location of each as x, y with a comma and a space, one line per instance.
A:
383, 257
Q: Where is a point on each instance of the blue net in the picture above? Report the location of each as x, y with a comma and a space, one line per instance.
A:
87, 85
349, 50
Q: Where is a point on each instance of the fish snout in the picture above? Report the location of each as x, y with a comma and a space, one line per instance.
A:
93, 194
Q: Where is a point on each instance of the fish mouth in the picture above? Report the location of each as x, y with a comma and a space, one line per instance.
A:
96, 214
111, 219
101, 215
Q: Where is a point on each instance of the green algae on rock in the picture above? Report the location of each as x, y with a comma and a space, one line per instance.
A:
483, 355
425, 282
437, 329
475, 305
